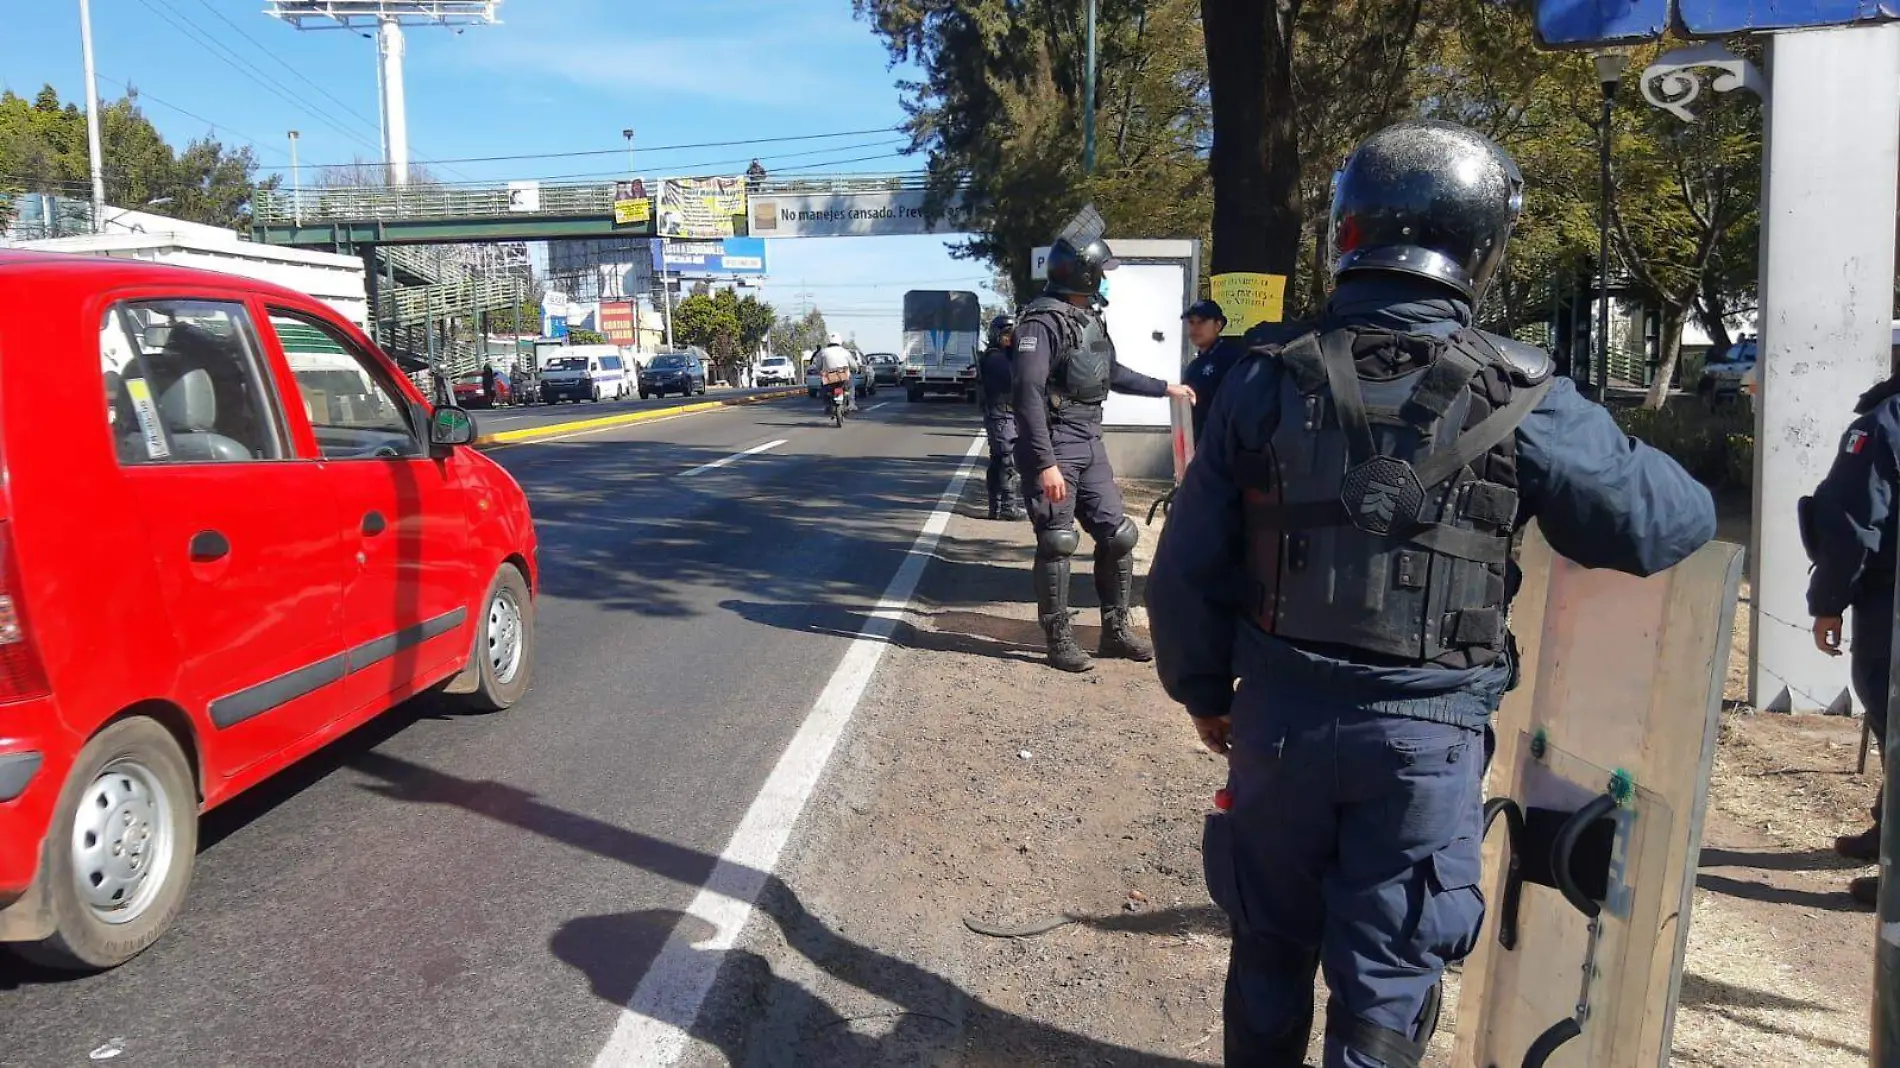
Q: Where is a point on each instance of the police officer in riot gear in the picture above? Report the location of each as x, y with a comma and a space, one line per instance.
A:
1851, 529
1329, 598
995, 372
1065, 368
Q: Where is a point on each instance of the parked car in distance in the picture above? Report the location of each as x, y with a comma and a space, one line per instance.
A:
278, 543
777, 371
1723, 373
888, 367
585, 373
469, 392
683, 373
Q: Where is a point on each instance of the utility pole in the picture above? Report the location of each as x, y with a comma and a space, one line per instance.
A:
1088, 99
296, 183
92, 121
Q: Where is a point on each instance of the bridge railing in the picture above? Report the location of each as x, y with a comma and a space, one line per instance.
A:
561, 199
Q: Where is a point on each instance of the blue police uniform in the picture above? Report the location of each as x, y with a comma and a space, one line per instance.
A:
1353, 840
1848, 528
1067, 434
1205, 373
995, 372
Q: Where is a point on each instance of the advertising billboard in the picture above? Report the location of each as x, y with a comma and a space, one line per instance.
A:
701, 207
731, 256
899, 211
617, 322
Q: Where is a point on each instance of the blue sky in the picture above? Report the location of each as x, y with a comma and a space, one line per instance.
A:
555, 76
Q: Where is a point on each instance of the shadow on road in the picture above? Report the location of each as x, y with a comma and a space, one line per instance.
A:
616, 950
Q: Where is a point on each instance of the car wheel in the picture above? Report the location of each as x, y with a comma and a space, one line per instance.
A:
120, 852
504, 642
644, 395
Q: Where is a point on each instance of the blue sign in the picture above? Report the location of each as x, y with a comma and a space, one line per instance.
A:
1589, 23
730, 256
1716, 17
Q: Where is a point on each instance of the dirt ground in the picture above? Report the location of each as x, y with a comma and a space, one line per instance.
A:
979, 785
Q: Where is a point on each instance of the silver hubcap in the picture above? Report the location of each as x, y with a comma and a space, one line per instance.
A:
504, 636
122, 842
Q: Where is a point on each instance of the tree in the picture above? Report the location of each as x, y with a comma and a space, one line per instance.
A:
711, 324
756, 319
1255, 157
363, 173
43, 150
798, 336
996, 113
579, 336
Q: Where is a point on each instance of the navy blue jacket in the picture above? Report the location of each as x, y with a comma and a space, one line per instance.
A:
1849, 525
995, 372
1036, 422
1601, 498
1205, 373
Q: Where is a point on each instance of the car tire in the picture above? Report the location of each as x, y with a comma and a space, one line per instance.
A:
502, 674
644, 394
131, 751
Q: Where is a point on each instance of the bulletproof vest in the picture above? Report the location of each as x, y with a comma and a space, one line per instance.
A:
1084, 360
995, 374
1380, 513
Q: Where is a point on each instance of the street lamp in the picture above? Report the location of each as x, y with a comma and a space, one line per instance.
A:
1609, 67
628, 134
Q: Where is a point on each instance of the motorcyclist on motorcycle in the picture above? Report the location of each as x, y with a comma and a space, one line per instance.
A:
835, 357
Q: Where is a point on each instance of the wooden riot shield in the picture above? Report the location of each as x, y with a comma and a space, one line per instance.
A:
1598, 790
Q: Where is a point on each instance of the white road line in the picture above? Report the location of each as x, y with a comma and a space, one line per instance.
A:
753, 451
652, 1032
873, 407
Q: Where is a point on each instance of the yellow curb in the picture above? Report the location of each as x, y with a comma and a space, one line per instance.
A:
549, 429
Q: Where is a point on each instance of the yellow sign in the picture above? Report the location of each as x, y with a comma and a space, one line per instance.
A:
628, 212
1249, 299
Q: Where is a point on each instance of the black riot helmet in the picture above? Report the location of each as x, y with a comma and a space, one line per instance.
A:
1001, 327
1079, 257
1431, 199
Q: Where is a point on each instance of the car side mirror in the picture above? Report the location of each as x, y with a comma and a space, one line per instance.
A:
451, 426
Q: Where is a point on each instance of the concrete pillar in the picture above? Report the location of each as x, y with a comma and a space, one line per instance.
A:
395, 109
1827, 267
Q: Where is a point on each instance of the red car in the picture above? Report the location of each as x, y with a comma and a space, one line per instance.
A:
470, 394
231, 530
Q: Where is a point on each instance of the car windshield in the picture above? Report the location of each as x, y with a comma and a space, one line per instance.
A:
670, 361
568, 363
1741, 353
469, 380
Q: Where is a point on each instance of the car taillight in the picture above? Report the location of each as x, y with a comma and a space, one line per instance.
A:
21, 674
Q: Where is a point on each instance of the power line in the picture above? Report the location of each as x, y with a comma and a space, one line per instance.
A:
306, 79
244, 67
286, 64
143, 95
621, 151
704, 164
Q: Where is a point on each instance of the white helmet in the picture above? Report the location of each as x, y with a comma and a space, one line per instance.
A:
833, 339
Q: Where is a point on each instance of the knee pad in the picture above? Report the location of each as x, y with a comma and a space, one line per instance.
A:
1057, 543
1120, 543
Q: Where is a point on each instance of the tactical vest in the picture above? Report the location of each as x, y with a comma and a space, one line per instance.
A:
997, 401
1380, 513
1084, 360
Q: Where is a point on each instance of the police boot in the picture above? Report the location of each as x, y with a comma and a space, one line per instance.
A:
1865, 890
1052, 602
1115, 585
1864, 846
993, 481
1011, 496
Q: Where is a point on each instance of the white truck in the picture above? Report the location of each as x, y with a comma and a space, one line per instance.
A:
943, 332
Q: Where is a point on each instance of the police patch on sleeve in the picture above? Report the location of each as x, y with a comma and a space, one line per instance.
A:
1026, 343
1855, 440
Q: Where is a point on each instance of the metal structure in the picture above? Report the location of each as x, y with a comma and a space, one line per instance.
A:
388, 17
375, 215
1609, 72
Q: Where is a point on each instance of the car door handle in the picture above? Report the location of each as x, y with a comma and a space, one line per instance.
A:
209, 545
374, 524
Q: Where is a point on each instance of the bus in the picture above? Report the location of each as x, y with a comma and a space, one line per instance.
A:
943, 333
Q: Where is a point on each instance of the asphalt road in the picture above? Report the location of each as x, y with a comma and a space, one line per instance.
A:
531, 415
443, 888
